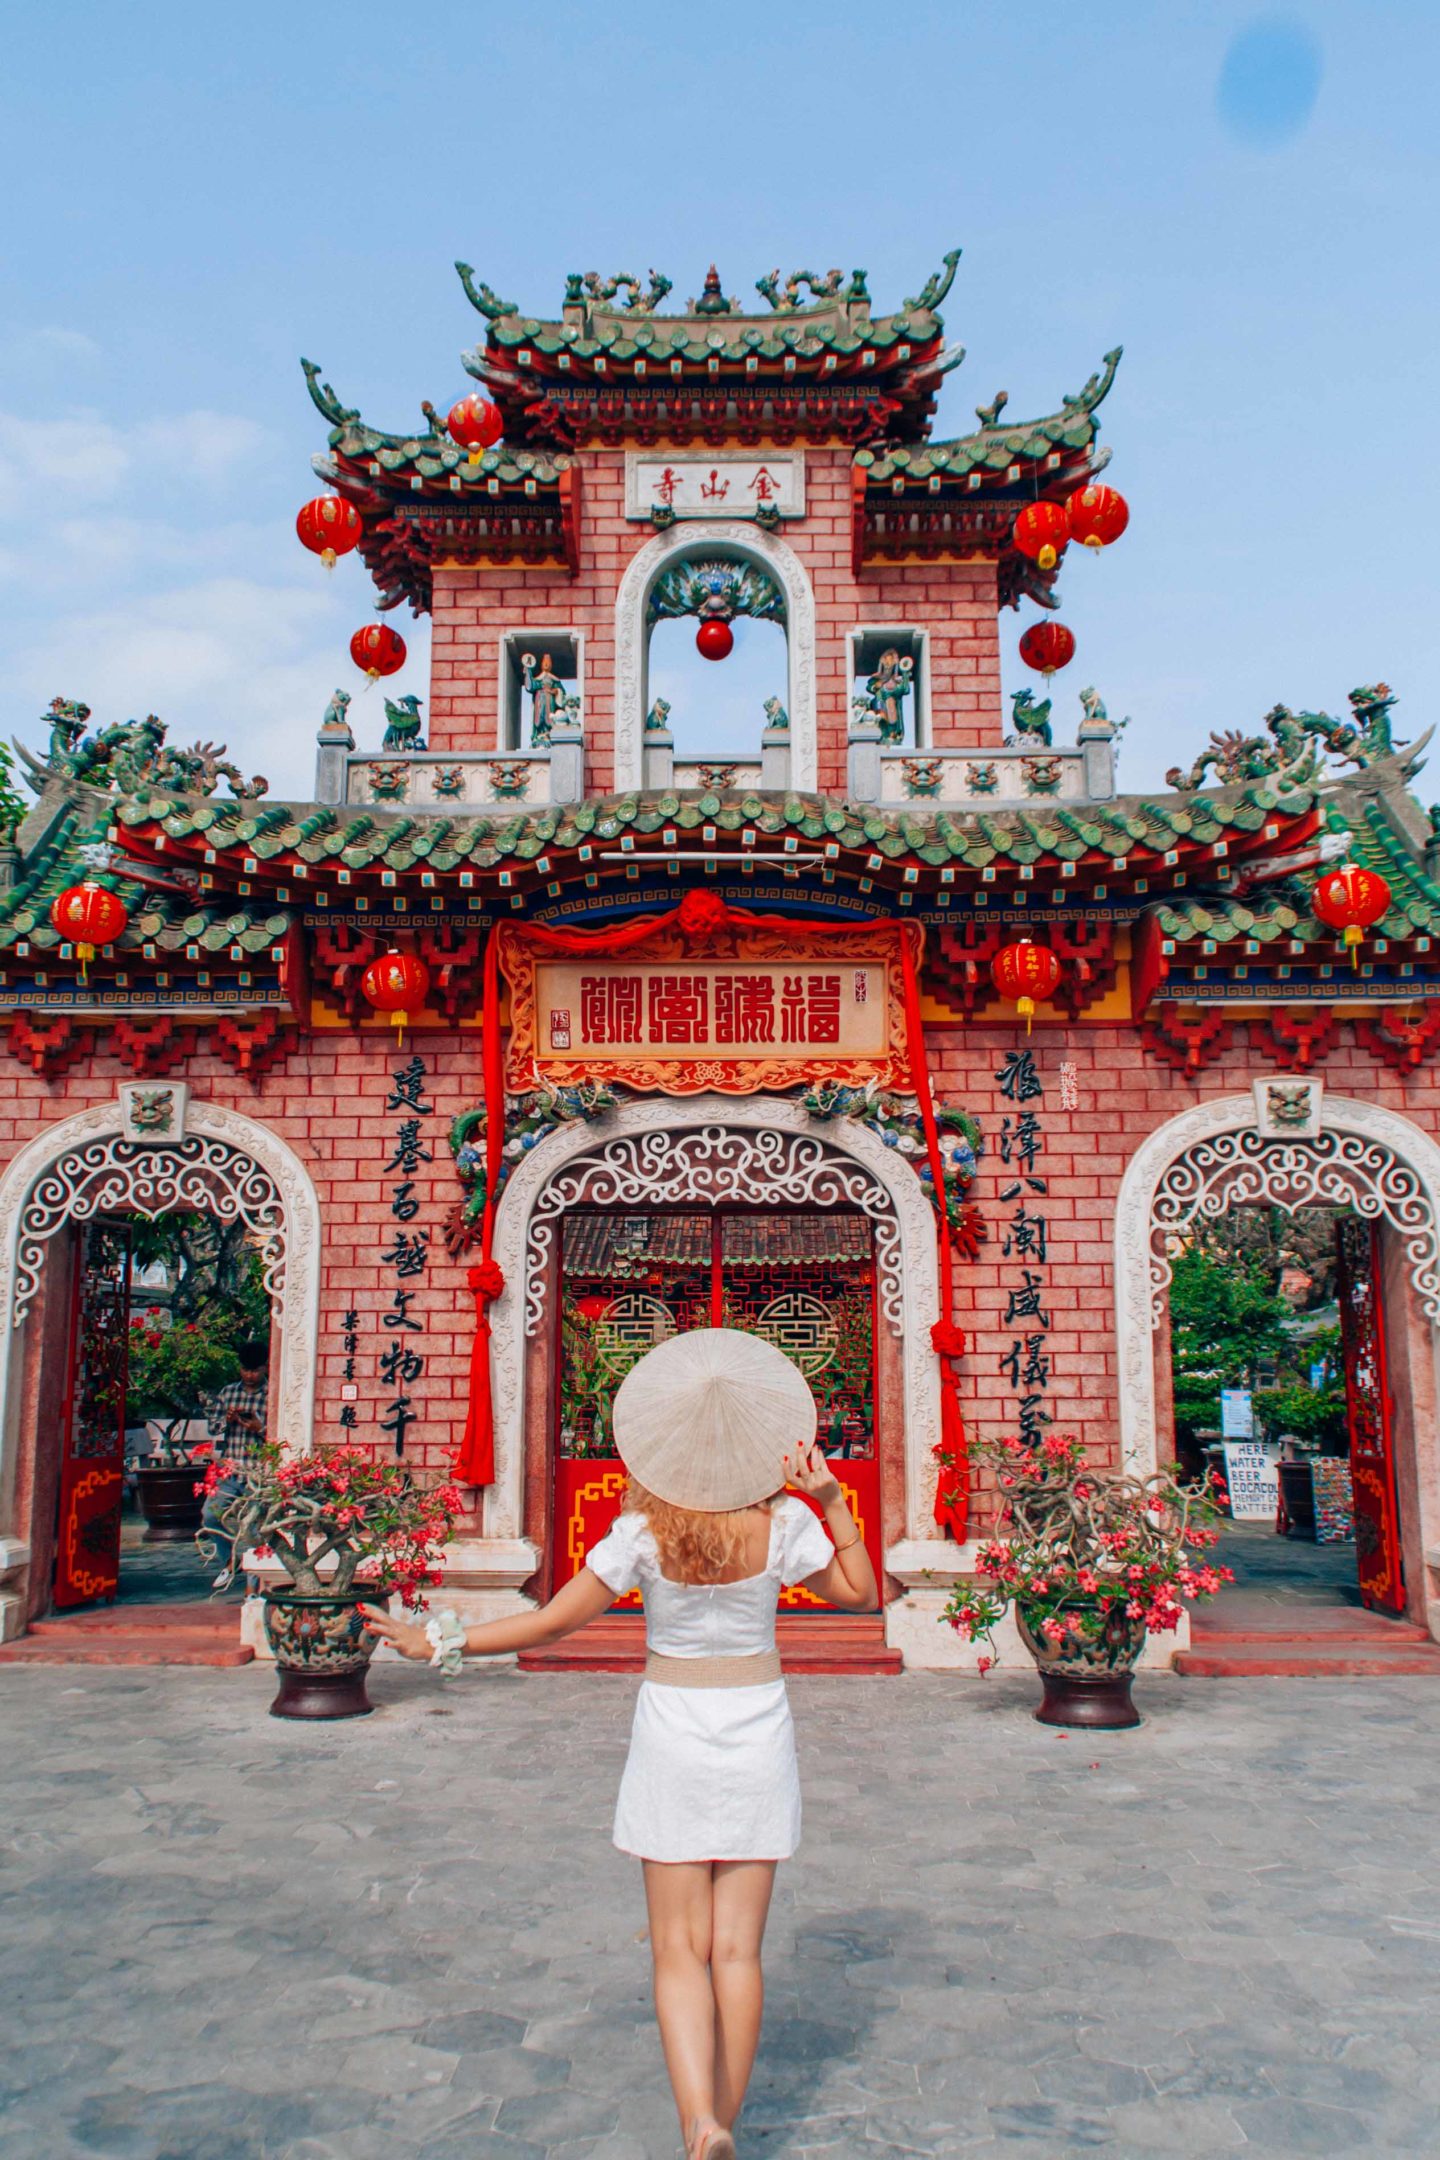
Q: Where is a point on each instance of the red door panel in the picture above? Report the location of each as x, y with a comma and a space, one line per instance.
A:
1367, 1406
87, 1545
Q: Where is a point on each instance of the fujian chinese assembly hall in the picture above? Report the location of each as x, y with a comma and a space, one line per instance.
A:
898, 1032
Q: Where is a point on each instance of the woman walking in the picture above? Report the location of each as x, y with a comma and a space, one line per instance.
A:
711, 1426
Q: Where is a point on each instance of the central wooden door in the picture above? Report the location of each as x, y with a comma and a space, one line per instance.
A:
805, 1281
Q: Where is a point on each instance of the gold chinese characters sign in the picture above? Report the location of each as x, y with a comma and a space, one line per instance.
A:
676, 1016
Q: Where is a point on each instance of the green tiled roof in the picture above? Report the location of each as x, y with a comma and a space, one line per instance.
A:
376, 839
429, 453
167, 920
994, 449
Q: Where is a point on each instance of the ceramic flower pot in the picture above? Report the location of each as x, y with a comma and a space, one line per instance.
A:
1085, 1677
322, 1652
169, 1502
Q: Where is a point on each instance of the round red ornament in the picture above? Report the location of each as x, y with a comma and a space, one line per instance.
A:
1351, 900
1024, 973
714, 640
398, 984
89, 916
1041, 531
378, 649
329, 526
1098, 515
1047, 646
476, 424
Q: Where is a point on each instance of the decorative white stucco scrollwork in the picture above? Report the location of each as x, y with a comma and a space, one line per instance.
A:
113, 1176
1213, 1158
224, 1164
1333, 1170
761, 1151
632, 639
744, 1169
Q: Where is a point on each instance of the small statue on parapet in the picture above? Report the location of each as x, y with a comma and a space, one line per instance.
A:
777, 720
403, 723
657, 720
1030, 720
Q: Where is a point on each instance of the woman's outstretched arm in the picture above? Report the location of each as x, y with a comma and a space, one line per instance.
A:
583, 1598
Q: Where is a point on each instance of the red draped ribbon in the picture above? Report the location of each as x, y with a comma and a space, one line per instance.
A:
952, 1490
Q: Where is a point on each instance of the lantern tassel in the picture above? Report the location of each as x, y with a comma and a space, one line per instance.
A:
1353, 935
476, 452
1047, 557
328, 557
1026, 1005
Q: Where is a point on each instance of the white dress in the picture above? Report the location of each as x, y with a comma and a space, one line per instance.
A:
711, 1773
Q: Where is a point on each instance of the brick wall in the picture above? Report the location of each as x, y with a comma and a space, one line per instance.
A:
330, 1107
955, 602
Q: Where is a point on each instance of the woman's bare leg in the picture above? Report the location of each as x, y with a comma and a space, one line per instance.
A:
679, 1898
741, 1903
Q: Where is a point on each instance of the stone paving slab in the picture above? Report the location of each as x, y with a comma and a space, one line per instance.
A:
409, 1938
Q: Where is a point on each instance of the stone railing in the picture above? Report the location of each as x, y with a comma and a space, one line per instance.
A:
665, 772
452, 782
1027, 775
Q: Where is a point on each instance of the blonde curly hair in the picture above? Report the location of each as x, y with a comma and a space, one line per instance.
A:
695, 1545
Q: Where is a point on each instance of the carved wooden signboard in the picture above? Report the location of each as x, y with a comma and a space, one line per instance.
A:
774, 1011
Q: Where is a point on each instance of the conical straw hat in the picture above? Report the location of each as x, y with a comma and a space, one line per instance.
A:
704, 1418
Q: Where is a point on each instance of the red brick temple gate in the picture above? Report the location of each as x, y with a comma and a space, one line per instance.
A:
792, 946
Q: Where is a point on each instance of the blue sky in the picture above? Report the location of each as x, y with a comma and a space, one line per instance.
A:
1245, 199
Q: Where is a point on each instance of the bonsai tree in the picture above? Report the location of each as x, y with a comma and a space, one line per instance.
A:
341, 1523
175, 1371
1091, 1559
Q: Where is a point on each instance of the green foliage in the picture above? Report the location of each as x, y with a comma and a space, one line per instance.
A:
12, 802
175, 1371
1225, 1321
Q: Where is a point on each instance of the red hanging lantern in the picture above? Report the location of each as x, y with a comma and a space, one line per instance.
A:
329, 526
396, 983
1098, 515
1047, 646
714, 640
476, 425
378, 649
1351, 900
1041, 531
1024, 973
89, 916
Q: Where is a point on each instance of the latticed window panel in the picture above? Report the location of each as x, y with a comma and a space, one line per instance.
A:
803, 1327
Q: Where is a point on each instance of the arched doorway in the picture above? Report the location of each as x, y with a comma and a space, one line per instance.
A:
776, 564
151, 1151
760, 1157
1290, 1144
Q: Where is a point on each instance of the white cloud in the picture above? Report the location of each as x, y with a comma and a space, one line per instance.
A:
80, 455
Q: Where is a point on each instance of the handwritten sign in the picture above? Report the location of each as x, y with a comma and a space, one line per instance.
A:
1237, 1413
1252, 1478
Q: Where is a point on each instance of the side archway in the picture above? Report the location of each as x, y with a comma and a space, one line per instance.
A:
1224, 1153
104, 1160
748, 543
769, 1151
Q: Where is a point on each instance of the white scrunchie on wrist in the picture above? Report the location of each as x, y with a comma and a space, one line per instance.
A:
445, 1633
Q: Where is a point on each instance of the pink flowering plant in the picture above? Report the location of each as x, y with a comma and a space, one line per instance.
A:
1088, 1557
340, 1522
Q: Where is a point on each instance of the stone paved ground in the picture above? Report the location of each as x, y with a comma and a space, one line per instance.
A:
227, 1938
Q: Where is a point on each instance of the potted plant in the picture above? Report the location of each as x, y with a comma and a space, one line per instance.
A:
174, 1370
347, 1529
1090, 1560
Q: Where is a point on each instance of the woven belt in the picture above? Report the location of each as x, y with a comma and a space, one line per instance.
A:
755, 1671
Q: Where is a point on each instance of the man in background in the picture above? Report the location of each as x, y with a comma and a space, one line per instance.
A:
237, 1432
